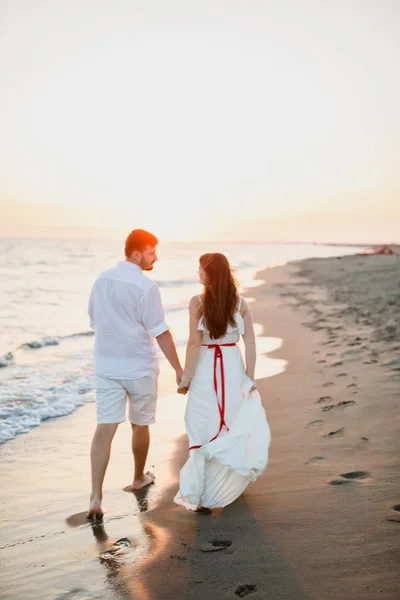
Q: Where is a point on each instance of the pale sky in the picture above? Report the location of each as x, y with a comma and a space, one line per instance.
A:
255, 119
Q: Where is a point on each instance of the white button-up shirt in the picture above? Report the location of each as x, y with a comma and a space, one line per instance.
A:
126, 313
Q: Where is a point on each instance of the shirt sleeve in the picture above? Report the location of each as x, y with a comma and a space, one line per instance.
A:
91, 311
153, 312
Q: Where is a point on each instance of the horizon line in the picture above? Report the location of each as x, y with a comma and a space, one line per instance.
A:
211, 241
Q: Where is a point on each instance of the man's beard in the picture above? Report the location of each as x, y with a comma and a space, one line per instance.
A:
148, 267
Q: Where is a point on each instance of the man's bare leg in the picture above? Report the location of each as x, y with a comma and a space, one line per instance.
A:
99, 456
140, 448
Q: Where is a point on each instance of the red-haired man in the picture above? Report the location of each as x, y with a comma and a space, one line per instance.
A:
126, 313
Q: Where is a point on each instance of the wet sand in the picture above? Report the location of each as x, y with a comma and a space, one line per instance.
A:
321, 523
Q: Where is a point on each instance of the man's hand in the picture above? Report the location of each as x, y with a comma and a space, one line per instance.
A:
183, 390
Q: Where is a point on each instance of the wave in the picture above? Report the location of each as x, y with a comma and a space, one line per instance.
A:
53, 396
175, 282
247, 265
79, 334
46, 341
7, 359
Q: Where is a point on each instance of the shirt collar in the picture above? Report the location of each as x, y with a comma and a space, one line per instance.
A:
129, 265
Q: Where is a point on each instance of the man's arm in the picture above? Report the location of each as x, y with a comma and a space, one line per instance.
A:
167, 345
153, 319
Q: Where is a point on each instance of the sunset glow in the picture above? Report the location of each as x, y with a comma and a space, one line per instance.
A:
267, 120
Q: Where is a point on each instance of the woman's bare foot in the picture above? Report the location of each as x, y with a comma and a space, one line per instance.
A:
203, 510
95, 510
147, 479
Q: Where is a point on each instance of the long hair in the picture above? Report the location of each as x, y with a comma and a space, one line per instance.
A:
220, 295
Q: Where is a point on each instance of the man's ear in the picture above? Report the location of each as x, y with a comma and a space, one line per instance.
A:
136, 256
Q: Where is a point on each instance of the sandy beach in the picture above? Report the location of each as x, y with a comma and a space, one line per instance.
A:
322, 522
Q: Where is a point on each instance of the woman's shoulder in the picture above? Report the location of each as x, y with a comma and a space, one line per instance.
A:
194, 304
242, 304
195, 300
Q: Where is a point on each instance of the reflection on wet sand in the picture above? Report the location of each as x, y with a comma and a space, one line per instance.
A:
122, 558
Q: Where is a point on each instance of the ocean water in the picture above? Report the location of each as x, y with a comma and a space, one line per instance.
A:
45, 341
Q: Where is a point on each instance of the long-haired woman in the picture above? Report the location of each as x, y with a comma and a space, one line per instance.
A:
226, 424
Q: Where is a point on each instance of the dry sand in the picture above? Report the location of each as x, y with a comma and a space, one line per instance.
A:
322, 523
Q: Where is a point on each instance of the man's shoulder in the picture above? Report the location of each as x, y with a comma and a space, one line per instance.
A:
108, 273
134, 279
145, 282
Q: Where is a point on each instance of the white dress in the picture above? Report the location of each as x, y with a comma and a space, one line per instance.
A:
228, 445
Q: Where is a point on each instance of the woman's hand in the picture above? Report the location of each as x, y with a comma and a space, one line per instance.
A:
253, 388
178, 374
183, 390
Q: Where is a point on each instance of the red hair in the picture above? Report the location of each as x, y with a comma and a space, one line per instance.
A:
138, 239
220, 295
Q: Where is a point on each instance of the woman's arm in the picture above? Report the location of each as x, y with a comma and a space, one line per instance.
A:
194, 343
249, 339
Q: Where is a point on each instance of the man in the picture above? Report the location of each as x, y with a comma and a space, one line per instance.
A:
126, 312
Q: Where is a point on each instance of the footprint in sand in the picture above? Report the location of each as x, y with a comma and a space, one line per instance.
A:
324, 399
314, 459
119, 547
343, 404
215, 546
342, 375
356, 475
337, 433
338, 481
394, 514
344, 478
314, 423
321, 361
245, 590
351, 385
328, 384
337, 364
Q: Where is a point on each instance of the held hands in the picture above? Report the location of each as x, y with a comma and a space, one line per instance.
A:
181, 389
183, 385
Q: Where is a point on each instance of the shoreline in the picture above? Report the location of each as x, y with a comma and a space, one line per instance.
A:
320, 522
294, 534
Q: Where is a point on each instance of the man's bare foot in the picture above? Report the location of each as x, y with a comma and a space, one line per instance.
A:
147, 479
95, 510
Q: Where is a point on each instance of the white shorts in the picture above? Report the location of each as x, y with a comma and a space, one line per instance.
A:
111, 395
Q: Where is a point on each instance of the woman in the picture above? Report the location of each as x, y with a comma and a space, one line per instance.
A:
228, 432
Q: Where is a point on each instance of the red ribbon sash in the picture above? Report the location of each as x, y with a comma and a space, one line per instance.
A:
218, 356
